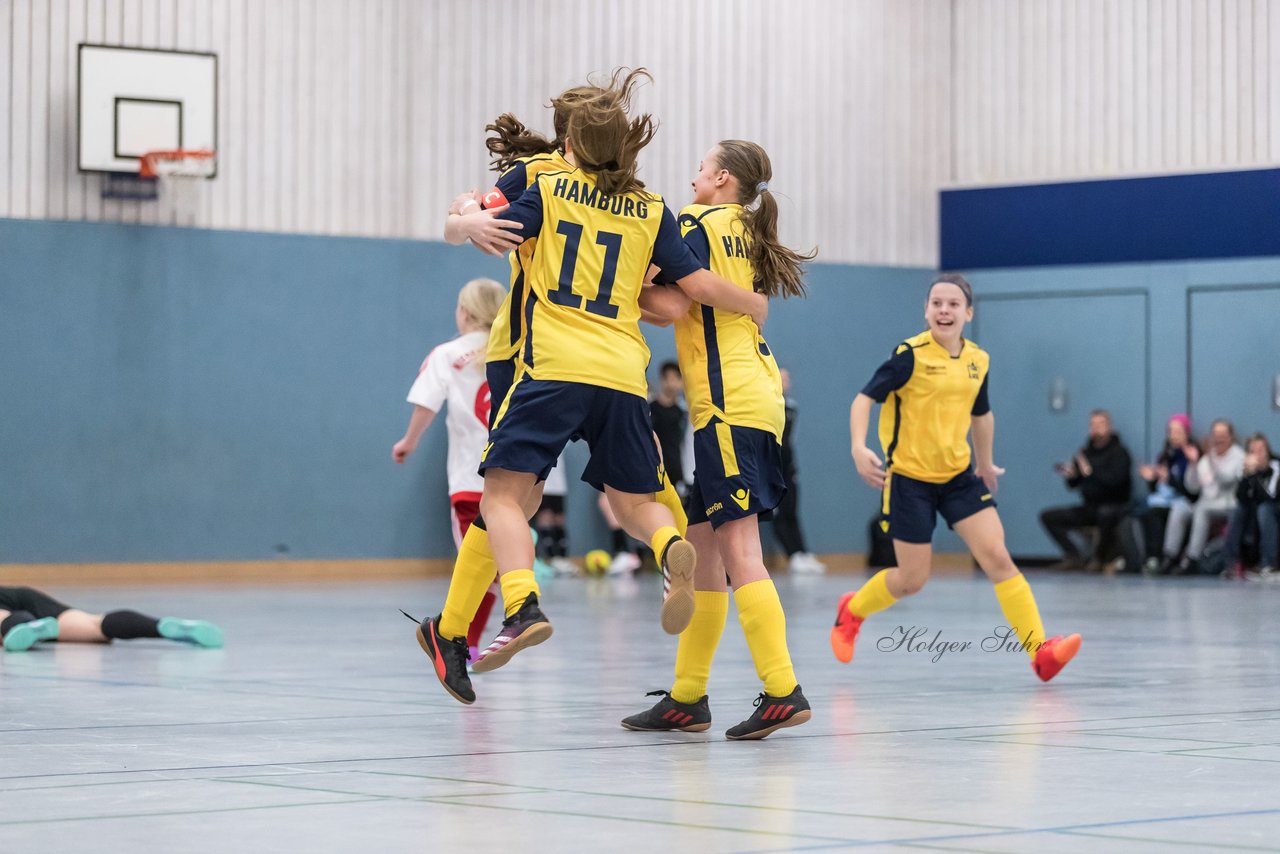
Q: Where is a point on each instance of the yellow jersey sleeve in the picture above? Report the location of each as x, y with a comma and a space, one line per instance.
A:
507, 332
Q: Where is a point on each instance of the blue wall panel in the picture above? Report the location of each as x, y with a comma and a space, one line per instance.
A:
177, 394
1210, 215
1234, 356
1095, 345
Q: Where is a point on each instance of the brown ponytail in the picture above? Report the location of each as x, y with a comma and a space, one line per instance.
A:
511, 140
778, 269
605, 142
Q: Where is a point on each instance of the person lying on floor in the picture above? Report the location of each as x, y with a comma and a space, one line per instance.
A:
28, 616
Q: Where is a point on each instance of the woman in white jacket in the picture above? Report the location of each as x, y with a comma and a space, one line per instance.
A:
1214, 476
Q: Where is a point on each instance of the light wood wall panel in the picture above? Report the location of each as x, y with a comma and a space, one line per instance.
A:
1065, 89
364, 117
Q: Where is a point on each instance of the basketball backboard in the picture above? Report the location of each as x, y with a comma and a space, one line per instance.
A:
135, 100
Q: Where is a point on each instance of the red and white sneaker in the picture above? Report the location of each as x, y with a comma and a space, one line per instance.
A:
1054, 654
845, 632
523, 629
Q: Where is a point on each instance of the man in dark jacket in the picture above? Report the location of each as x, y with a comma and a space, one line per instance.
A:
1101, 471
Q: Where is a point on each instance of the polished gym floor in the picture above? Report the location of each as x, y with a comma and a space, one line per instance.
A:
320, 727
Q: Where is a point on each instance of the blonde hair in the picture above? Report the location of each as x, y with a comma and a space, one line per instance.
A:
481, 299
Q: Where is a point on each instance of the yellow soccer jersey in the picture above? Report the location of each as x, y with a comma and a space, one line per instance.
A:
928, 398
581, 312
508, 327
729, 371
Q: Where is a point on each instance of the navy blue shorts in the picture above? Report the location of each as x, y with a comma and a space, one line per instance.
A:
541, 416
911, 506
500, 376
738, 474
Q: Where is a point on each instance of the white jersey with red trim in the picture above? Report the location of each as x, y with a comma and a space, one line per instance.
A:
453, 373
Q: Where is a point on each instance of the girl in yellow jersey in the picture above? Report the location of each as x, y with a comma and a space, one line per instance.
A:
933, 391
519, 155
582, 364
736, 406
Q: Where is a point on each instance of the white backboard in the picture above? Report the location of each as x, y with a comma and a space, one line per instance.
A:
135, 100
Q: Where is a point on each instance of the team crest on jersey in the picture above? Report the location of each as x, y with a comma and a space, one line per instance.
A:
973, 370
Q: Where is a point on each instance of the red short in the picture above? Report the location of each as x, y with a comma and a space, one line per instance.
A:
464, 507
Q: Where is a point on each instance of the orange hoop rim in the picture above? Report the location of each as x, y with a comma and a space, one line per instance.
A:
174, 161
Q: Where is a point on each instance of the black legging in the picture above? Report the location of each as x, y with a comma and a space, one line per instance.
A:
34, 602
1060, 521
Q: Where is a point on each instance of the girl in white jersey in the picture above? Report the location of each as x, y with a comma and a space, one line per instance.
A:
454, 373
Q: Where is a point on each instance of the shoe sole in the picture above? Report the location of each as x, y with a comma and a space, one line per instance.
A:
26, 635
427, 647
795, 720
532, 636
677, 608
690, 728
837, 641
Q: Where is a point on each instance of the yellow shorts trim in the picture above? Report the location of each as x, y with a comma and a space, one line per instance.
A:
724, 438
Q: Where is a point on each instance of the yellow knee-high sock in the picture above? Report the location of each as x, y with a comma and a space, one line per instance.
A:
670, 499
698, 645
660, 539
516, 587
1019, 607
872, 596
764, 624
473, 572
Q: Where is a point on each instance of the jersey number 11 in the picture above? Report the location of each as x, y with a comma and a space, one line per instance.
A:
563, 293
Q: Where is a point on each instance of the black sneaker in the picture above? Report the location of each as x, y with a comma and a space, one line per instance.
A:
523, 629
670, 715
450, 660
772, 713
679, 560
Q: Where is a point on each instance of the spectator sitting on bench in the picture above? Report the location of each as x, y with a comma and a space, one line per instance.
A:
1214, 476
1100, 470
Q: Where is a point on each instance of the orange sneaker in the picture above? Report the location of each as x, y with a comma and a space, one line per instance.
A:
1054, 654
845, 631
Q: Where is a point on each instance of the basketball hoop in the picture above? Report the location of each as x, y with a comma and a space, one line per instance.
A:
179, 163
177, 171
